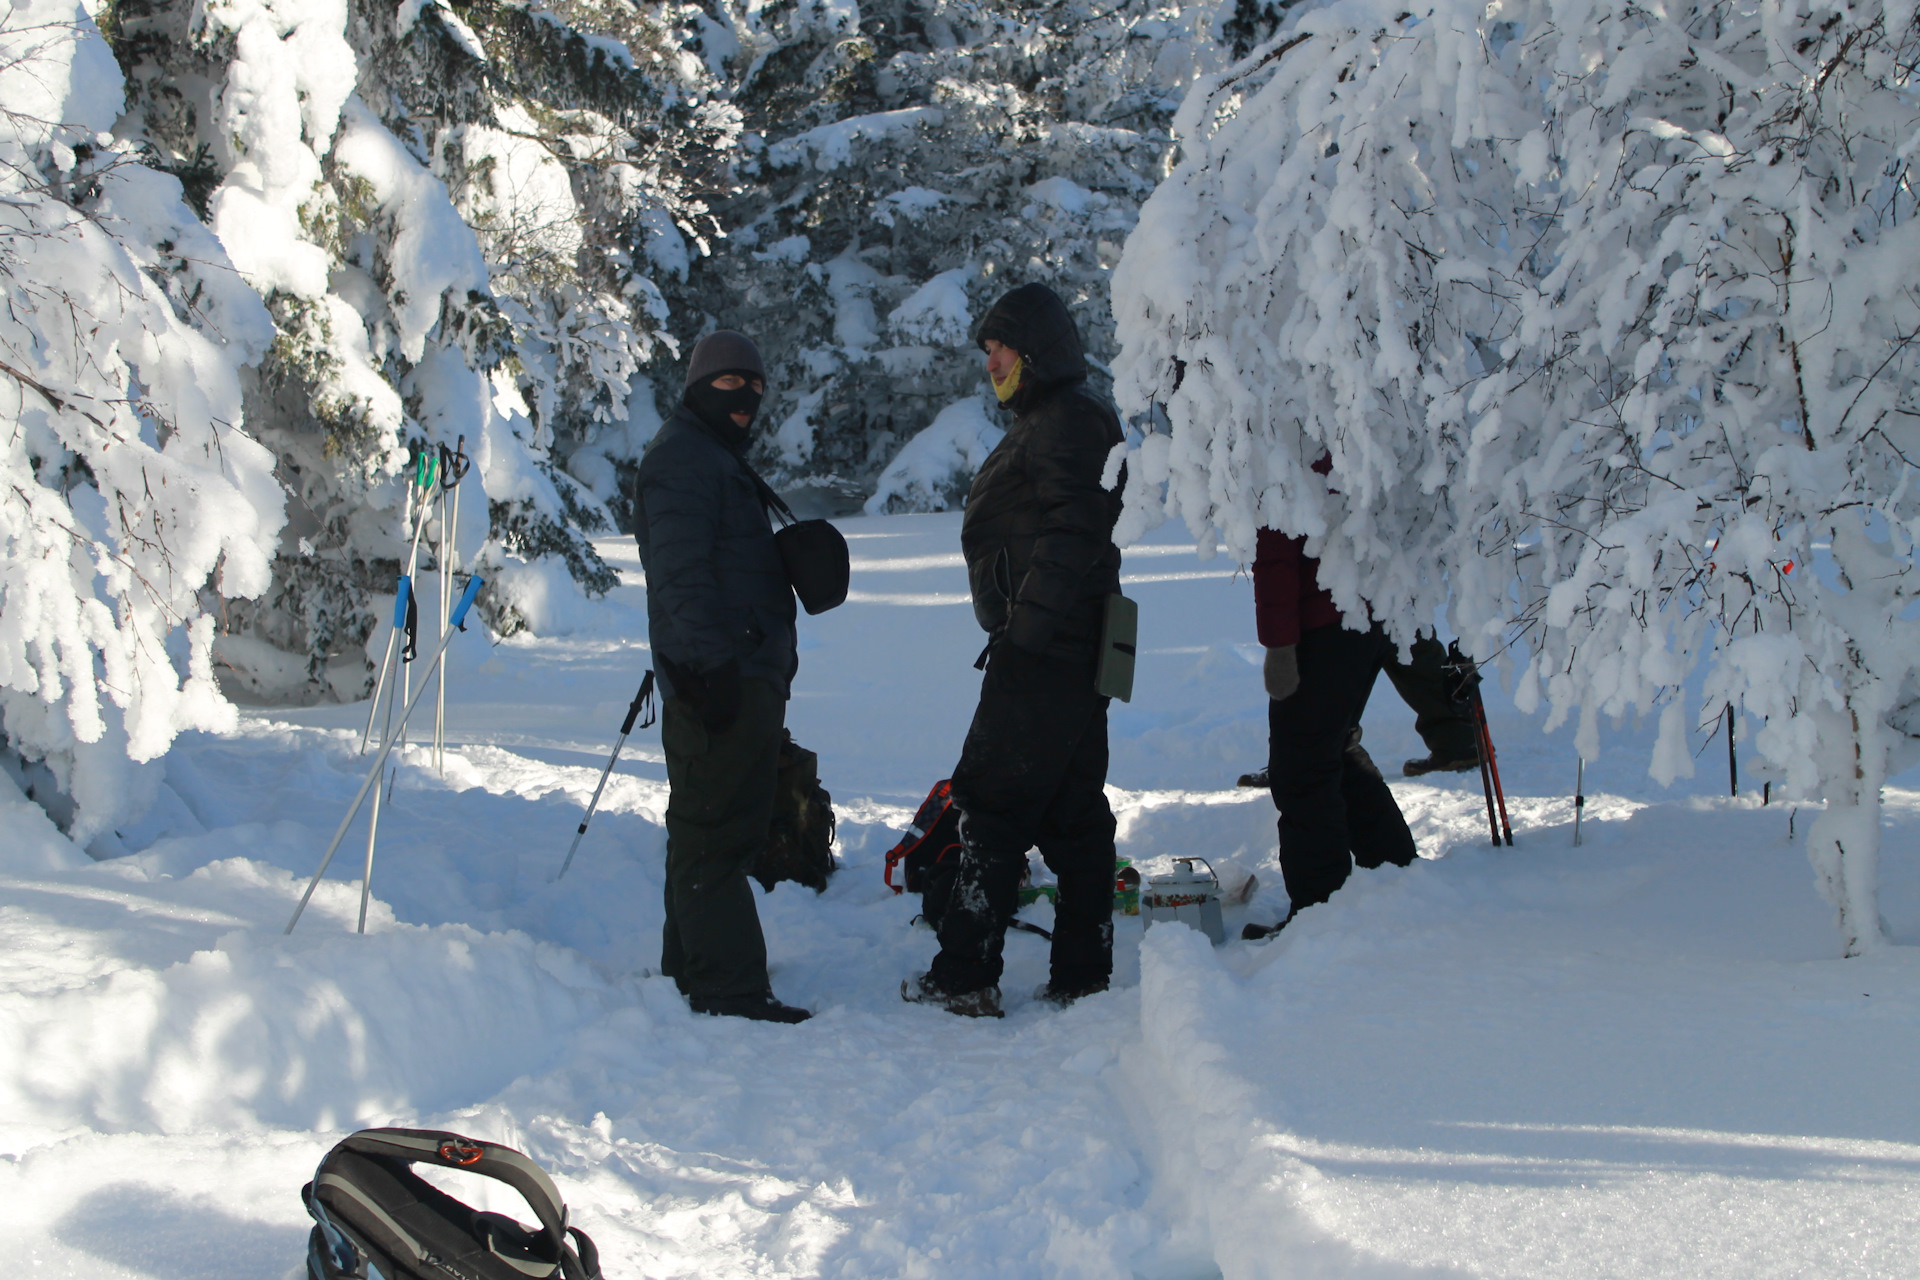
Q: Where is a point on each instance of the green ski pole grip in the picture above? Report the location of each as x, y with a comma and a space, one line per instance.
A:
459, 616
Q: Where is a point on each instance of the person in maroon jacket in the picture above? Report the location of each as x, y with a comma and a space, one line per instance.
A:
1335, 808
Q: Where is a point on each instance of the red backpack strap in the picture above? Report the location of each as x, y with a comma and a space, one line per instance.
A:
925, 819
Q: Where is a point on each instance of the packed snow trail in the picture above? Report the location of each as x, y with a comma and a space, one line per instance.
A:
1638, 1057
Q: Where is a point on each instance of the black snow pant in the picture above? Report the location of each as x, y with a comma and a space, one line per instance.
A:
1033, 772
720, 790
1425, 685
1334, 812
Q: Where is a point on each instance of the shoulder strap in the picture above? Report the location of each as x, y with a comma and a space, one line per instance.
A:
768, 498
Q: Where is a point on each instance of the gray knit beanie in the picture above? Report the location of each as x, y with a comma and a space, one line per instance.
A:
724, 351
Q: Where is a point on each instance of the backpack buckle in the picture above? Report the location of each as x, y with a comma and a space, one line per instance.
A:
463, 1153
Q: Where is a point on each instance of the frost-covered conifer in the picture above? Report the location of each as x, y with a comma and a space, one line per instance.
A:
906, 163
440, 212
1607, 315
580, 155
129, 487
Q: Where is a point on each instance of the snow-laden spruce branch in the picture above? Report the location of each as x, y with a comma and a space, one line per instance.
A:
1607, 317
126, 486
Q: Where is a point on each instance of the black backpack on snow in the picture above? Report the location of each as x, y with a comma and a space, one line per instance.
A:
800, 840
375, 1216
928, 855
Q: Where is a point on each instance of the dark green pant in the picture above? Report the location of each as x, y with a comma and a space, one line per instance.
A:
1423, 683
719, 805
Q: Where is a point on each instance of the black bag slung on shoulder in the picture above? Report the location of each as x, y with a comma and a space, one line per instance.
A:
813, 552
373, 1211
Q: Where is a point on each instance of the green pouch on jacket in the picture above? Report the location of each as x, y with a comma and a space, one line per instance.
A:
1118, 636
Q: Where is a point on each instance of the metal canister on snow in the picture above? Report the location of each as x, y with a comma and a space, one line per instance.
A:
1126, 888
1192, 897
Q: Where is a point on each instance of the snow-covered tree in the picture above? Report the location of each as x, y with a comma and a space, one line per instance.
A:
129, 488
443, 214
1607, 315
584, 175
904, 164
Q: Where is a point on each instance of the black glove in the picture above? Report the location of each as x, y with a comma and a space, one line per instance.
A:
714, 695
721, 705
1462, 676
1031, 628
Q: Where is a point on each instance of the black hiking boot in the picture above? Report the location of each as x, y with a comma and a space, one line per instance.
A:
1060, 997
984, 1003
759, 1007
1437, 763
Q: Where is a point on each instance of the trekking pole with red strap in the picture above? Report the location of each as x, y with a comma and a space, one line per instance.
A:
1486, 778
1467, 693
1490, 772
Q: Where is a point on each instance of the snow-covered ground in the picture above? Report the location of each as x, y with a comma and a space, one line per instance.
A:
1639, 1057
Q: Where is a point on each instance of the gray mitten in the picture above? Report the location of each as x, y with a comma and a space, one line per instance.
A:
1281, 672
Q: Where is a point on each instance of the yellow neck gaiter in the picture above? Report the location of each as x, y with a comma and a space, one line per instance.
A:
1005, 390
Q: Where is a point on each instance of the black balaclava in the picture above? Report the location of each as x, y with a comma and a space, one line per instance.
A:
715, 407
722, 352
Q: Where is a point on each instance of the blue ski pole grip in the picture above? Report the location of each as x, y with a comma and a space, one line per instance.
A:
400, 602
459, 618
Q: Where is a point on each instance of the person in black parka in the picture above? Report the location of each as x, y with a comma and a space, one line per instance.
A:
1038, 542
720, 617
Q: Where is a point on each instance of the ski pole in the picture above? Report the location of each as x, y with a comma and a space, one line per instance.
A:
379, 686
380, 761
453, 468
1493, 767
403, 661
1486, 778
1579, 796
1465, 696
1486, 788
366, 877
419, 522
446, 577
1733, 765
640, 700
427, 470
